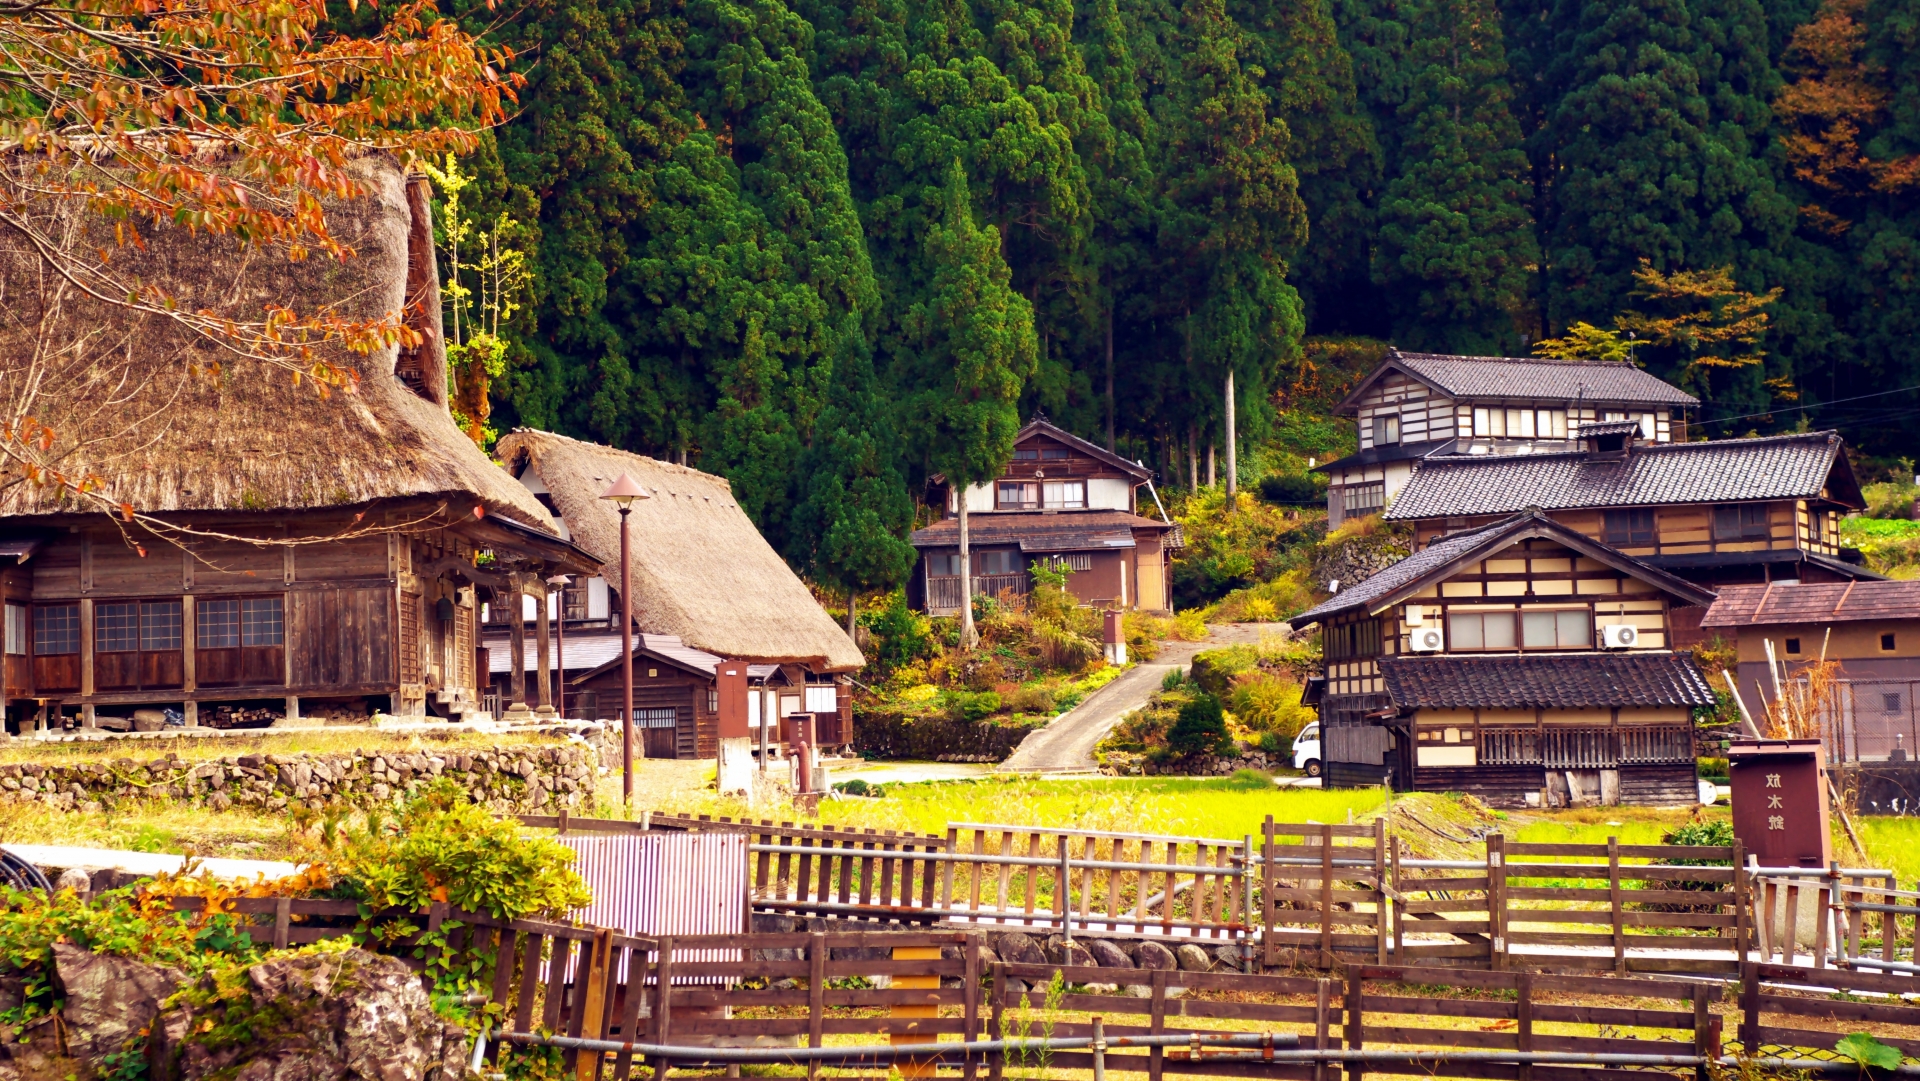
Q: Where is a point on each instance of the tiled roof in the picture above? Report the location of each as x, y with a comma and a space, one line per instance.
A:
1033, 527
1430, 562
1405, 572
1535, 379
1391, 452
587, 653
1813, 602
1549, 681
1729, 470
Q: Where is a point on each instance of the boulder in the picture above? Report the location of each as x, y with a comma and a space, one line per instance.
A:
1062, 952
1228, 955
108, 999
1192, 958
74, 878
1019, 949
324, 1016
1107, 955
1152, 955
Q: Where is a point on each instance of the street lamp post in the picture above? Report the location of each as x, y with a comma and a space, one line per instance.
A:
623, 492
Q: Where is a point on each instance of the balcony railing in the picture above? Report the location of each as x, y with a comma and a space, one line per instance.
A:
1585, 748
943, 592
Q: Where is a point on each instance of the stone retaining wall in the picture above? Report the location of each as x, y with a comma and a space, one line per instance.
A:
505, 779
940, 739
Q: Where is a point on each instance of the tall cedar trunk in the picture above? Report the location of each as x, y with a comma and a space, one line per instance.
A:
1233, 456
1109, 378
1213, 476
968, 636
1193, 459
853, 601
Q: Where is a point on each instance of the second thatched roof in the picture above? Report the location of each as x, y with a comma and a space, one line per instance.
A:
701, 570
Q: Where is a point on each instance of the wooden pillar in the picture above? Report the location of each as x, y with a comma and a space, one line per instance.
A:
543, 649
516, 644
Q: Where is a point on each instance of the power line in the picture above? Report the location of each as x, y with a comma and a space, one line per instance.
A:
1817, 405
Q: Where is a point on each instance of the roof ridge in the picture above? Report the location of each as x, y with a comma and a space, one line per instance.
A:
1529, 360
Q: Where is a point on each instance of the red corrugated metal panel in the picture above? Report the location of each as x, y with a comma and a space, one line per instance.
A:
651, 884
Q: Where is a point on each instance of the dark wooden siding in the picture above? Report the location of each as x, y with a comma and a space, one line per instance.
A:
342, 638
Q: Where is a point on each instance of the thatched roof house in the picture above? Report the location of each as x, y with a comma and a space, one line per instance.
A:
137, 399
324, 552
701, 571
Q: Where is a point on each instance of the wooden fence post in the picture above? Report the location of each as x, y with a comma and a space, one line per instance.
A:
1703, 1041
1742, 904
662, 1004
1353, 1031
594, 972
1157, 1025
1749, 1007
1326, 897
971, 1011
816, 996
636, 987
1380, 911
1323, 999
1399, 912
1614, 902
1523, 1030
1267, 945
1497, 899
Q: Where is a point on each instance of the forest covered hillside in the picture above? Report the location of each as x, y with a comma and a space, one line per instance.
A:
828, 248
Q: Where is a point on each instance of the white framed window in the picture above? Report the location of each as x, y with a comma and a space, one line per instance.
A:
822, 699
17, 630
1564, 629
1064, 495
1480, 630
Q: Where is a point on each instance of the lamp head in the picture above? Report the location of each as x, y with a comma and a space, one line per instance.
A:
624, 491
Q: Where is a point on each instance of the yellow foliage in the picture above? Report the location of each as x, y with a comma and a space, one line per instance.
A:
1584, 341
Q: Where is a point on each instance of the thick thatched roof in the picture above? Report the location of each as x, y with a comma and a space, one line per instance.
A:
165, 439
700, 569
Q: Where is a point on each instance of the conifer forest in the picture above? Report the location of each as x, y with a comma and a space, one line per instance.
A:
830, 248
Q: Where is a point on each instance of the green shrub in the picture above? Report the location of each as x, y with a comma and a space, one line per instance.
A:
1214, 669
1172, 680
897, 635
1266, 702
1293, 488
1273, 743
443, 847
1717, 831
970, 705
858, 787
1201, 729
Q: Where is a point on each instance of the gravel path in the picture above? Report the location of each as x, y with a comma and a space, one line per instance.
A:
1066, 744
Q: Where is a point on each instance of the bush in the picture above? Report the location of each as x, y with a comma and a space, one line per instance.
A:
971, 705
1030, 698
898, 635
1273, 743
1214, 669
1293, 488
443, 847
857, 787
1269, 703
1201, 729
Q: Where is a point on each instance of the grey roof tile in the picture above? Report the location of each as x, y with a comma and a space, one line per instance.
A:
1545, 681
1729, 470
1537, 379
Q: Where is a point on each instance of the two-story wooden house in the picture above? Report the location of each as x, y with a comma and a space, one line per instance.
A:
1520, 661
1726, 512
1419, 405
1061, 499
262, 544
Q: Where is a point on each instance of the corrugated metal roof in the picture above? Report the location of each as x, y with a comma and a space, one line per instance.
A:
1549, 681
1813, 602
664, 883
590, 651
1731, 470
1538, 379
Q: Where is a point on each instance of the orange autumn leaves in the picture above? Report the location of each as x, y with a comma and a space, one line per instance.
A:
1832, 110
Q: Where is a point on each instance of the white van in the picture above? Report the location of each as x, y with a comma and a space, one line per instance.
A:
1306, 750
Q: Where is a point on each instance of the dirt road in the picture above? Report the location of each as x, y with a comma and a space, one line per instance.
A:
1066, 745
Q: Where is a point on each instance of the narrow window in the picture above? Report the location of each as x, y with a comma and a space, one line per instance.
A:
17, 630
263, 621
1526, 424
713, 700
56, 630
1886, 642
654, 718
1055, 454
1793, 647
1025, 455
1482, 422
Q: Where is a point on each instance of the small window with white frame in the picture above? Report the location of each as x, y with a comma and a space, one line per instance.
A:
1063, 495
16, 630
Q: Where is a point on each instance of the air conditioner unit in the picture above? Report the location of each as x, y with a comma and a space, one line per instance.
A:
1426, 640
1619, 636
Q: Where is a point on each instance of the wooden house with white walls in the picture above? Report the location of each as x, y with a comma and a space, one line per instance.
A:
1061, 499
282, 550
1521, 661
1420, 405
705, 587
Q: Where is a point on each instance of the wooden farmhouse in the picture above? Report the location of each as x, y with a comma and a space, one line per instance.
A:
306, 553
1418, 405
1720, 513
1870, 629
706, 588
1061, 499
1522, 661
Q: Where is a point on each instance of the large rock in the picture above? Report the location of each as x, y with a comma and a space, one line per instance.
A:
1016, 948
1071, 954
1107, 955
1193, 959
1152, 955
108, 999
347, 1016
